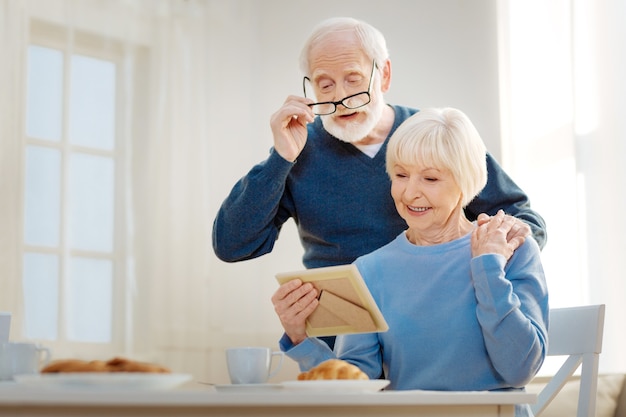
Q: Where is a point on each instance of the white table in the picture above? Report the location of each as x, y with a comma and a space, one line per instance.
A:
205, 401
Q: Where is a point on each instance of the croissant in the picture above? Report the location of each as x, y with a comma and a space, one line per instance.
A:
75, 365
333, 369
126, 365
116, 364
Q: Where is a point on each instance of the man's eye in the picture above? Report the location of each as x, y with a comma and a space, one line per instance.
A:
355, 82
325, 86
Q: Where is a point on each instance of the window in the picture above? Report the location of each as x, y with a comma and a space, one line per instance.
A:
73, 184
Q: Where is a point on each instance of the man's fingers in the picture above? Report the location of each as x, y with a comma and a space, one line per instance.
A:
482, 219
516, 242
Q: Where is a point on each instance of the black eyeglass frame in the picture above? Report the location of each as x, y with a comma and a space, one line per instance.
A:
336, 103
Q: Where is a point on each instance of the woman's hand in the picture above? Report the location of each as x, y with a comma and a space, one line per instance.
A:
500, 234
293, 302
289, 126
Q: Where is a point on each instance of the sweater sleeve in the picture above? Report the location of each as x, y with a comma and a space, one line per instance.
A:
513, 311
309, 353
250, 218
362, 350
502, 193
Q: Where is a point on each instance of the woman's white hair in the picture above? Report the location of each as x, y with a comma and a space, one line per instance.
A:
442, 138
372, 40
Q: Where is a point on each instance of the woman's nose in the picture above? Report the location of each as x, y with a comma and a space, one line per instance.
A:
413, 189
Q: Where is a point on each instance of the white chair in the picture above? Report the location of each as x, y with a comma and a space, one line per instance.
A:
575, 332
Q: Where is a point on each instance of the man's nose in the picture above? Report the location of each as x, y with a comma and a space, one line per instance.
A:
340, 94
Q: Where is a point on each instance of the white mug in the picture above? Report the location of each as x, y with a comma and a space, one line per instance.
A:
252, 365
5, 326
21, 358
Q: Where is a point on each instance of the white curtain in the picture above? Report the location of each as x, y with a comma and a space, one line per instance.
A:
12, 40
197, 307
600, 137
171, 210
564, 97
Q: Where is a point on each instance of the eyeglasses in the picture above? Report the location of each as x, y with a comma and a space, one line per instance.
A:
351, 102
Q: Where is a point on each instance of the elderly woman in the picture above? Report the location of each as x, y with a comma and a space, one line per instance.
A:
465, 310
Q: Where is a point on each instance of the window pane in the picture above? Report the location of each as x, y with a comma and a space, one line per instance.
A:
91, 182
92, 103
44, 102
89, 301
42, 196
41, 295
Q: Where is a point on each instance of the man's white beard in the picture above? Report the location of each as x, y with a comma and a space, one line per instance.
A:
357, 131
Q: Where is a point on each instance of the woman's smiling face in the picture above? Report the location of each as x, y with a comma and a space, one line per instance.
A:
428, 199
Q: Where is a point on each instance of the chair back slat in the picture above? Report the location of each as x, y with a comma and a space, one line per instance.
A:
575, 332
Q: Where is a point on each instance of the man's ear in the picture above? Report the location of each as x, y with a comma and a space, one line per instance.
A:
385, 79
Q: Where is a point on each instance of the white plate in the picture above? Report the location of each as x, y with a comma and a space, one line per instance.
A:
239, 388
104, 380
339, 386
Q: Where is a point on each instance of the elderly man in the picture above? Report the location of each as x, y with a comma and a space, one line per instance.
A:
328, 172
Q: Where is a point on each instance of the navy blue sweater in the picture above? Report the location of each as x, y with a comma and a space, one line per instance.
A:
340, 201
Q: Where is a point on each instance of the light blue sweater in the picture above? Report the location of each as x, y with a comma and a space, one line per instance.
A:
455, 323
